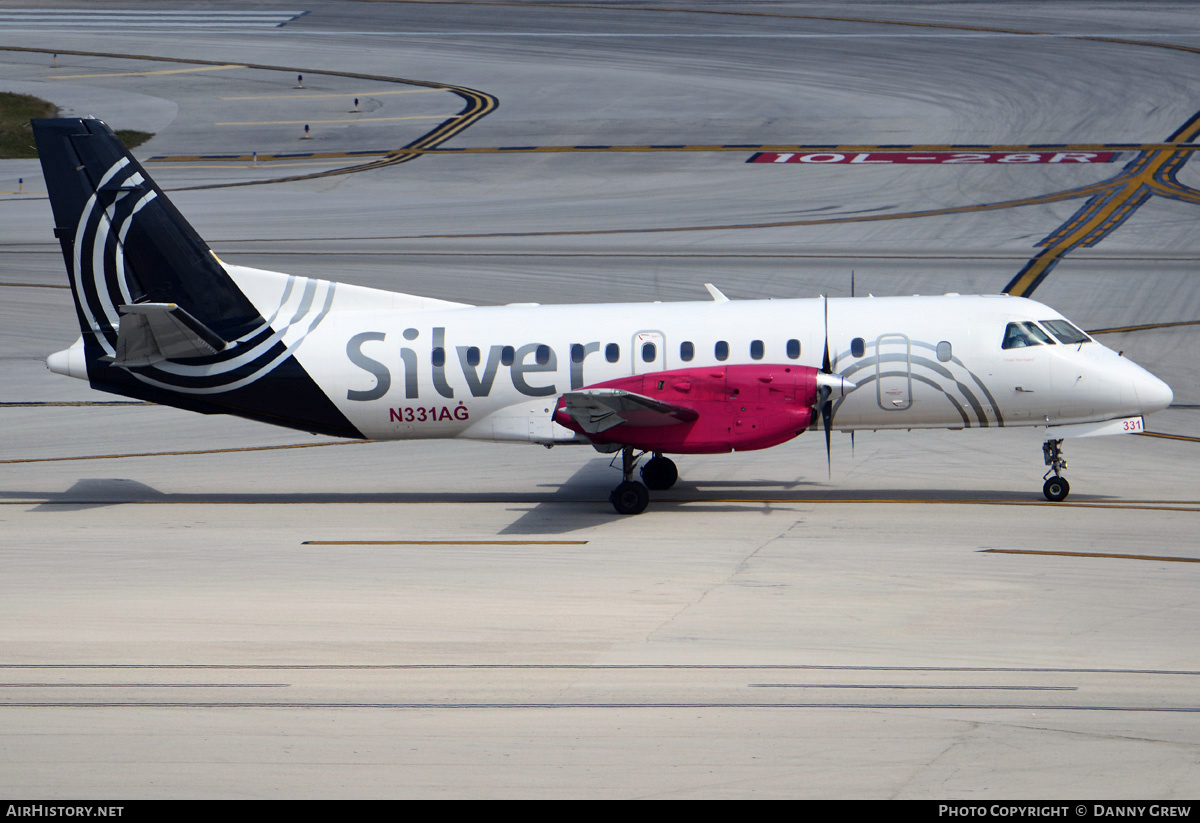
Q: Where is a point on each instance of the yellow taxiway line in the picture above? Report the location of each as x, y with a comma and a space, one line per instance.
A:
739, 147
184, 453
343, 95
400, 498
444, 543
1162, 558
1096, 220
351, 120
143, 73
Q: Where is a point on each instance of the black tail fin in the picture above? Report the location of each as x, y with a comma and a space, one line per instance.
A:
96, 187
162, 318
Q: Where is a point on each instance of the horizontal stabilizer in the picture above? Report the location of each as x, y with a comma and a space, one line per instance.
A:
152, 332
598, 410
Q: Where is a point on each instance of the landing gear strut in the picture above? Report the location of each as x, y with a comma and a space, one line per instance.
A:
630, 496
1056, 488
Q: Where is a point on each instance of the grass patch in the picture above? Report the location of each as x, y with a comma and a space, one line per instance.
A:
132, 139
16, 135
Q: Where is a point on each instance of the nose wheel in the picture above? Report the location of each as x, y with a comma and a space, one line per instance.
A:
1055, 488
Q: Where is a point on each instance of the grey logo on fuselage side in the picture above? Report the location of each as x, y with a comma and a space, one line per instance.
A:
478, 366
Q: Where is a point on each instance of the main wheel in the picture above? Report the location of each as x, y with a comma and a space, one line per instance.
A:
660, 473
630, 497
1056, 489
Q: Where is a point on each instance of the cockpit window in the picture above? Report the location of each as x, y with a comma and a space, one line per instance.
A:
1065, 332
1025, 333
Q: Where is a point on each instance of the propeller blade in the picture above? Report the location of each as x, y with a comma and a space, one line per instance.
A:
826, 396
827, 422
825, 404
826, 366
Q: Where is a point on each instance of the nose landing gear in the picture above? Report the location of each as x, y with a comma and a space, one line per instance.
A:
1055, 488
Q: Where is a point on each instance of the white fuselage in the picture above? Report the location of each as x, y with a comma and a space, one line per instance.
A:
404, 367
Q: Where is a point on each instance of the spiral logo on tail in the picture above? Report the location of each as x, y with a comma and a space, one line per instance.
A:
101, 287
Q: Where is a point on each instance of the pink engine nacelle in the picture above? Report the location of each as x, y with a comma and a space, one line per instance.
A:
739, 408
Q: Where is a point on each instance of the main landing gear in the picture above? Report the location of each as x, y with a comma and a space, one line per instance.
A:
632, 497
659, 473
1056, 488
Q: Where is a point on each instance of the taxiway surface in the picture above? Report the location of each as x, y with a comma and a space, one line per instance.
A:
206, 607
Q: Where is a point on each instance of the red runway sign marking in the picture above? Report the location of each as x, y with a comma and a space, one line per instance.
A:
935, 157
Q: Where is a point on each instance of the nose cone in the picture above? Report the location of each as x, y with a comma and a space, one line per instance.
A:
1153, 394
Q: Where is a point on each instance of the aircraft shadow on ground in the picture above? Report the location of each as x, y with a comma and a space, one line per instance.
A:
579, 502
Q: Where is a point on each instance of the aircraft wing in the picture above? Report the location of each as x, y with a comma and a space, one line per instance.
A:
598, 410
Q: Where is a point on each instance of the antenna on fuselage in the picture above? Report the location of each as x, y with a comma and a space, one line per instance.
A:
716, 293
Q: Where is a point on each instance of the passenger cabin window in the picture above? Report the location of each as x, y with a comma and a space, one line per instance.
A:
858, 347
756, 349
649, 352
721, 350
1065, 332
944, 352
1023, 334
686, 351
473, 356
577, 353
507, 355
612, 352
439, 356
793, 349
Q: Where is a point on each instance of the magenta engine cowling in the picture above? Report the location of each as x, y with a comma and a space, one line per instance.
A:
740, 408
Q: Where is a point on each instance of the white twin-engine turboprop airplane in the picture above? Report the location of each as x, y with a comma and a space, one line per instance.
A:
163, 319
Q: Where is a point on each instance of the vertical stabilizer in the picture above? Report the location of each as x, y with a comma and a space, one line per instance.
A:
161, 318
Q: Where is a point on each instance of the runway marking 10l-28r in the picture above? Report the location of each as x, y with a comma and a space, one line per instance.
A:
935, 157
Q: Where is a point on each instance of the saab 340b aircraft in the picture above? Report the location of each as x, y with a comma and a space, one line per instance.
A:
164, 319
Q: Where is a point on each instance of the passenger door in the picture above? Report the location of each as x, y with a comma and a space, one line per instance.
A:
649, 352
893, 372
